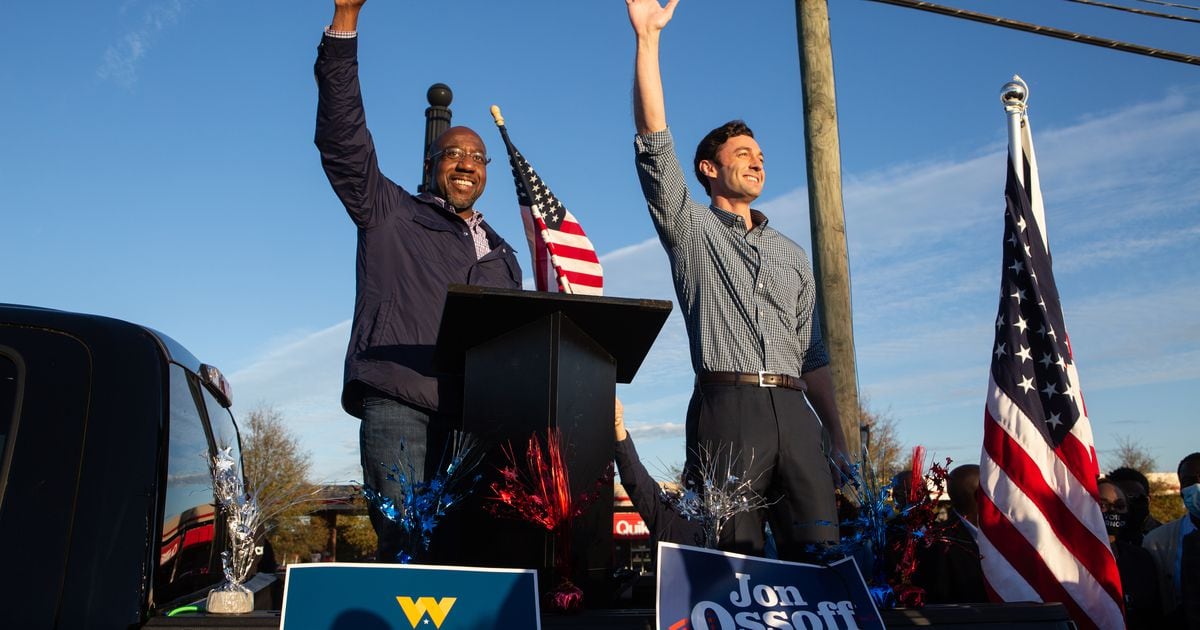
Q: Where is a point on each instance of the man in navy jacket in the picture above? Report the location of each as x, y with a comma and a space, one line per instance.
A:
409, 249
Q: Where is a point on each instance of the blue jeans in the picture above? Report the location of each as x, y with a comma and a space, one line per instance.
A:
391, 433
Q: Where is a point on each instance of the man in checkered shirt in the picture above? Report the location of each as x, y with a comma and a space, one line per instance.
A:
747, 295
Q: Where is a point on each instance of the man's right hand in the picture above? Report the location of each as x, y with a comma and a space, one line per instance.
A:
345, 15
648, 17
619, 421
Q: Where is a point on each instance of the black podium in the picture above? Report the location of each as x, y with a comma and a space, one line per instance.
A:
530, 361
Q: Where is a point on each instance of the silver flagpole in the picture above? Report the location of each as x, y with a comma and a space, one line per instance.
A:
1014, 95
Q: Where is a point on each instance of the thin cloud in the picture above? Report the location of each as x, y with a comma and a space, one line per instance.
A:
120, 61
656, 431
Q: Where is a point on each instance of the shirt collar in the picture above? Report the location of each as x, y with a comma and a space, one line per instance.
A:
757, 218
445, 206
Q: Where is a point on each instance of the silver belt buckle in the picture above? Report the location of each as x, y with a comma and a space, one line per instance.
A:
761, 373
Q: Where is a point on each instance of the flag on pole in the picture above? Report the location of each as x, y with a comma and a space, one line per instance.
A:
564, 259
1042, 536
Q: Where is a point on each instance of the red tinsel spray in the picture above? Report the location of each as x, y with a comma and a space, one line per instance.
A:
540, 493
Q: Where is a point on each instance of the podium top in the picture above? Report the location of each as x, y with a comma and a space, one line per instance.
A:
624, 327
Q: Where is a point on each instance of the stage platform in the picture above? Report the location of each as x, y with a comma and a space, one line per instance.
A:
952, 617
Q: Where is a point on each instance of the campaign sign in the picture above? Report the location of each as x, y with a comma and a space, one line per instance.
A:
336, 596
703, 589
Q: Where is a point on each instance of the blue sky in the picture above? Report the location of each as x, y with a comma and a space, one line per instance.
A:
156, 165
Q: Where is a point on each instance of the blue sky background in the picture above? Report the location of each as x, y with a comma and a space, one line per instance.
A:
157, 165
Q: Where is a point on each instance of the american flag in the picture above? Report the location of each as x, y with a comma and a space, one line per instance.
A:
1042, 537
563, 257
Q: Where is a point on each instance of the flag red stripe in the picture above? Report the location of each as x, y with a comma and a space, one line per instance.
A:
1080, 461
1093, 554
585, 279
571, 227
1025, 559
567, 251
543, 272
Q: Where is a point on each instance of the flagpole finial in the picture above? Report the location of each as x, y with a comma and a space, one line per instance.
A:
496, 115
1015, 94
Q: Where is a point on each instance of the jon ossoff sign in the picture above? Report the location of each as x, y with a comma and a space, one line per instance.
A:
703, 589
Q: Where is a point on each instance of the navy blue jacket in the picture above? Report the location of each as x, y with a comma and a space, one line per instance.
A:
409, 249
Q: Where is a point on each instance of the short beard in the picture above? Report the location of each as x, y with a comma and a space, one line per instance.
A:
458, 200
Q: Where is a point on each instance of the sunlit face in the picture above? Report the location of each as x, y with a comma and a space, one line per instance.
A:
1112, 499
738, 171
461, 181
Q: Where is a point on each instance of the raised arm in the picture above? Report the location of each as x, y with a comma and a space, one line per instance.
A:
347, 150
648, 19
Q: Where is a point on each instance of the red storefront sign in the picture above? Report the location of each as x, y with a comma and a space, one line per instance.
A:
629, 525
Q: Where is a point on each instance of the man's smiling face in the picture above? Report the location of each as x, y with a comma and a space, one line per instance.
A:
739, 169
460, 181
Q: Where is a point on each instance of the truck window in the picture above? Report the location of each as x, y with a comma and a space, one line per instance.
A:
188, 529
225, 432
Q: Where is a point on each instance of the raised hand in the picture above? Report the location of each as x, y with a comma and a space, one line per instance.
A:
648, 17
345, 15
619, 421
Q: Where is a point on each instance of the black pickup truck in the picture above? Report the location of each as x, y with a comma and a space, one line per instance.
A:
107, 513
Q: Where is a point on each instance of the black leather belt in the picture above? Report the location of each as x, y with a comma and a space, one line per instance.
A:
758, 379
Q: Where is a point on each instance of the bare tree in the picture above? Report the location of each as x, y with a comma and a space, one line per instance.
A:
1131, 453
276, 467
885, 453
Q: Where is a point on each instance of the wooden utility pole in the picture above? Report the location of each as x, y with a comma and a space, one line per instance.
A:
826, 216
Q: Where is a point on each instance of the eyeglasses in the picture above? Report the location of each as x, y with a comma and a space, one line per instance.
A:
455, 154
1115, 506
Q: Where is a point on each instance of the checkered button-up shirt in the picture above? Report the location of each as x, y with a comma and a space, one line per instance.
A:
747, 297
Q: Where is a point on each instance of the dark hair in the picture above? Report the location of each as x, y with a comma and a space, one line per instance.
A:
961, 484
1192, 458
1126, 473
707, 149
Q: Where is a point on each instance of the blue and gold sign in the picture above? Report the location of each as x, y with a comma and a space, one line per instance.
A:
331, 596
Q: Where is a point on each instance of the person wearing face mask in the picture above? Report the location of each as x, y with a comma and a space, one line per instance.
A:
1143, 604
1137, 494
1176, 550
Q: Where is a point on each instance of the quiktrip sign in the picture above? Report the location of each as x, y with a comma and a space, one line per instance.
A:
704, 589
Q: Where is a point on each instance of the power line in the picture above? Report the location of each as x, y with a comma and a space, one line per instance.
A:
1171, 4
1048, 31
1156, 14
